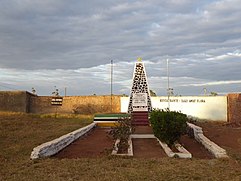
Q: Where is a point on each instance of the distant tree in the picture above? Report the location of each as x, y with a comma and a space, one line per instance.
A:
152, 93
171, 93
205, 91
34, 91
56, 92
214, 93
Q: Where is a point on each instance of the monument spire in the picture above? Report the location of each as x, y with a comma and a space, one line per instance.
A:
140, 87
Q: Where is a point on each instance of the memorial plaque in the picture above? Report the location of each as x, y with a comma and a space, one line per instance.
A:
140, 102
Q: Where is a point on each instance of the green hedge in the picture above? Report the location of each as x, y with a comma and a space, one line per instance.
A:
167, 125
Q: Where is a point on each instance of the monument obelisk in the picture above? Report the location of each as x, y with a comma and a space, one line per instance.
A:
140, 100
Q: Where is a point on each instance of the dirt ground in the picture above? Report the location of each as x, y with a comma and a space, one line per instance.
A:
195, 148
223, 134
147, 148
97, 143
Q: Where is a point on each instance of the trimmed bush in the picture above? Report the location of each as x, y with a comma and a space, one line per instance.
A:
167, 125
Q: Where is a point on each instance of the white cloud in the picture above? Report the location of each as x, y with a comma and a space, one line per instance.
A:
47, 43
218, 83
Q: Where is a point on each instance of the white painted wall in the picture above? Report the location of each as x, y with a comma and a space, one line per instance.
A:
52, 147
203, 107
124, 104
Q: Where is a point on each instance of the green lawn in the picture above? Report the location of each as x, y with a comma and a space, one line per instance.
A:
20, 133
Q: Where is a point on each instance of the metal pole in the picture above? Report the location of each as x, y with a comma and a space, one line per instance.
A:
65, 91
111, 81
168, 86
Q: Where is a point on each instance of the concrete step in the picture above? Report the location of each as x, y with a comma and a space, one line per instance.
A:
135, 120
140, 118
140, 124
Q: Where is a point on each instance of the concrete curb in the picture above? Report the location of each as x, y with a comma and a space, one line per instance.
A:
183, 153
142, 136
213, 148
52, 147
130, 148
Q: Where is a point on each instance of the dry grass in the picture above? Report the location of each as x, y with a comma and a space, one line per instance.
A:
20, 133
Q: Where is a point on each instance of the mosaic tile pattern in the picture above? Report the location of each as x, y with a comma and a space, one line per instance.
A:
139, 85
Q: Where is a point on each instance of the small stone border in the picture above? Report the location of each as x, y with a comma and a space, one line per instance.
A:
197, 133
142, 136
52, 147
183, 153
129, 151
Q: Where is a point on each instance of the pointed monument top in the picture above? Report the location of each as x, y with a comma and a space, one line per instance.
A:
139, 59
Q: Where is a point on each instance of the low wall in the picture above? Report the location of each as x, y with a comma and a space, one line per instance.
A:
223, 108
22, 101
234, 108
203, 107
197, 133
76, 104
15, 101
52, 147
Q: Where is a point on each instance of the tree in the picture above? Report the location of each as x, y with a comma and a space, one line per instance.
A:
152, 93
214, 93
56, 92
34, 91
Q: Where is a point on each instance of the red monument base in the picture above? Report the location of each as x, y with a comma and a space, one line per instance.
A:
140, 118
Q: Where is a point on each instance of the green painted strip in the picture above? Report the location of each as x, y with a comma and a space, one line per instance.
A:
112, 115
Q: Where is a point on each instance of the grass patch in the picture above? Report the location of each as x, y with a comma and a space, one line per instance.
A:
20, 133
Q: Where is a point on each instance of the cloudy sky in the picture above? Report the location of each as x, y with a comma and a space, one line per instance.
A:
48, 43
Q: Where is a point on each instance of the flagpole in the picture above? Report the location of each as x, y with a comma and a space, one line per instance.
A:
168, 85
111, 84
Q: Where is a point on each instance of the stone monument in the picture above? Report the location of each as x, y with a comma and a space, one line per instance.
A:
140, 100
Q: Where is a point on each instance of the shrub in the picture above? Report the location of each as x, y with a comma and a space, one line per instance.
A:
168, 125
122, 131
